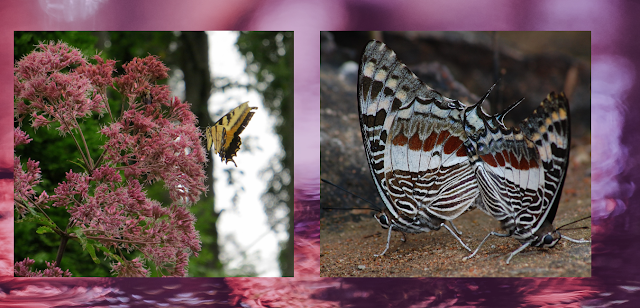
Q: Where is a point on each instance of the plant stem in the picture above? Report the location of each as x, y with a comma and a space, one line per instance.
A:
63, 245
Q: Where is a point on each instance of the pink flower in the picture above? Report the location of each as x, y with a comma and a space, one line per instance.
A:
49, 94
20, 137
22, 269
24, 181
154, 139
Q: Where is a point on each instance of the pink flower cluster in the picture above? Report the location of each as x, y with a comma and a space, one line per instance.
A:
46, 91
22, 269
155, 138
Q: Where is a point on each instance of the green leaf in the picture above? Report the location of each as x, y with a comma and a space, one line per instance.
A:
90, 247
87, 244
37, 217
81, 165
108, 253
77, 230
43, 230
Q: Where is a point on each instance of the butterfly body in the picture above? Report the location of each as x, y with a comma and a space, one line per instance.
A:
224, 135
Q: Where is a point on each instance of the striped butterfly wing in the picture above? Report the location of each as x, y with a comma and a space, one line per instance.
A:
413, 139
549, 129
521, 171
209, 134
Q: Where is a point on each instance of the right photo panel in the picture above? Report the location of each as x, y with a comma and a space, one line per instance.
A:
455, 154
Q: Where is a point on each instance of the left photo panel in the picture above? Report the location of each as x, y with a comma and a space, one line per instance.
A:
153, 154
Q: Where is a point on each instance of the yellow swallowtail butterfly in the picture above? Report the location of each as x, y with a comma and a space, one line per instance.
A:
224, 135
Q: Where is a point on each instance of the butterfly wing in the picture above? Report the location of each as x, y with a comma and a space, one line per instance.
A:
413, 139
208, 132
521, 171
549, 129
225, 133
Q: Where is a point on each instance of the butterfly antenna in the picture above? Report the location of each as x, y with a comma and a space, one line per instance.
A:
365, 200
571, 239
573, 222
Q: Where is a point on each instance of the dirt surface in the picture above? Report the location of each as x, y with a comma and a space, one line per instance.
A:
349, 239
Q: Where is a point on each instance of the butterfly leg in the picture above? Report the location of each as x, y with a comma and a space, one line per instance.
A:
525, 245
388, 240
454, 227
404, 237
454, 235
481, 243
